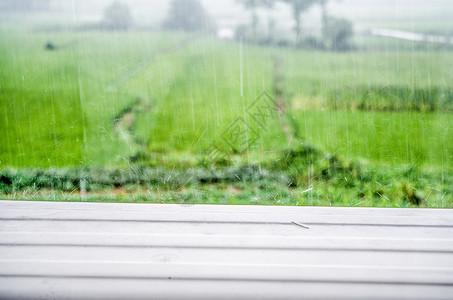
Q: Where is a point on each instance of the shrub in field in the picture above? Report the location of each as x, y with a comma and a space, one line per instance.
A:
392, 98
302, 163
410, 193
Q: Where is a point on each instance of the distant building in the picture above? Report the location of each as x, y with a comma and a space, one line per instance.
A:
225, 33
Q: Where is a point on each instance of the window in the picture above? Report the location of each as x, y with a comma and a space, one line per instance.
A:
290, 102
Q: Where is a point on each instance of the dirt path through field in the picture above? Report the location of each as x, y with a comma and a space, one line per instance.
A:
287, 123
125, 76
124, 122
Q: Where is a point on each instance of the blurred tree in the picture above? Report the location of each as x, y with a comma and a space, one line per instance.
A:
117, 16
271, 23
298, 7
338, 33
253, 6
187, 15
324, 13
242, 32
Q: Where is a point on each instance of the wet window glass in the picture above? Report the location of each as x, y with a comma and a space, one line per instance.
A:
273, 102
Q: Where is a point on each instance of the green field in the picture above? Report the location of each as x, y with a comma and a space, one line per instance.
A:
358, 128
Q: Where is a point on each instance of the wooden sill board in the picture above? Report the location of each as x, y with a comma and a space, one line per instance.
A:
91, 250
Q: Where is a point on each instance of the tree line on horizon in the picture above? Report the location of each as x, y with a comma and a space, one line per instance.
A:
336, 32
190, 15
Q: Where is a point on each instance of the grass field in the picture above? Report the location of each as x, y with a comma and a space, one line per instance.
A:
358, 128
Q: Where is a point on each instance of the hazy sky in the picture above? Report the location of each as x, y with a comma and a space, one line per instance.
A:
229, 9
228, 13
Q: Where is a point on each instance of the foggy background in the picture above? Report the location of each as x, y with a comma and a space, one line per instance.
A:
365, 14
